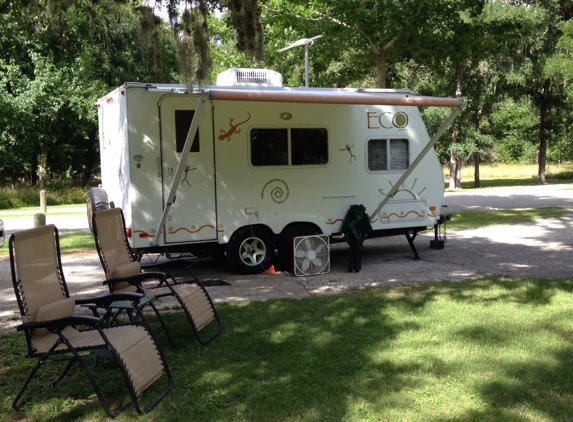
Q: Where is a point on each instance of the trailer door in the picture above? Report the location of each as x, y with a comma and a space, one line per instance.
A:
192, 217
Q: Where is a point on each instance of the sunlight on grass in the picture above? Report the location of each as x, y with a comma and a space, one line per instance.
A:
26, 212
480, 350
76, 241
468, 220
499, 175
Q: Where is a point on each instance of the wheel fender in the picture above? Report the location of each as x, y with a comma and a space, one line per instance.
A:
275, 224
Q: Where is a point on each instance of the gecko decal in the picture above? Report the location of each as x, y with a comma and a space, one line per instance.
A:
227, 135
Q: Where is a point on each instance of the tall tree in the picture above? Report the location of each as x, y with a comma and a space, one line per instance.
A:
367, 37
54, 63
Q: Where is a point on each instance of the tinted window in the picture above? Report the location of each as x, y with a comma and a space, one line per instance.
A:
269, 147
183, 119
309, 146
283, 147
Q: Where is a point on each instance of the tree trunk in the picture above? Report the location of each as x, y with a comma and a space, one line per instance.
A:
543, 111
454, 169
455, 164
477, 182
43, 166
381, 69
34, 170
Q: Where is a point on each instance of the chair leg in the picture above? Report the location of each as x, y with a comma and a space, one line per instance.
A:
16, 403
162, 322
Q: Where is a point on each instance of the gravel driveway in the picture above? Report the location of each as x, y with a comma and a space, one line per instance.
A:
539, 249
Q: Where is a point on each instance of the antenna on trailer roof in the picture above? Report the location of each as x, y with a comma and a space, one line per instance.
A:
306, 42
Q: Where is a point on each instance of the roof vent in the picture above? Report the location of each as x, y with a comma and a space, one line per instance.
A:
250, 77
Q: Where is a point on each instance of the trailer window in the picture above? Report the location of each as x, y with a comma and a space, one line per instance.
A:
388, 154
283, 147
309, 146
183, 119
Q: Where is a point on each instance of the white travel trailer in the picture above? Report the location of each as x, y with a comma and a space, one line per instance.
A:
245, 166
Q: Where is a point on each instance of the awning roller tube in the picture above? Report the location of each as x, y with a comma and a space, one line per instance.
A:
357, 98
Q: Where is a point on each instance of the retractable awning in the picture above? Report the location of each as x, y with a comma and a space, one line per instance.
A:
338, 97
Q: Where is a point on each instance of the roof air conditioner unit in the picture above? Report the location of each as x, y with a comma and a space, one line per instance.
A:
250, 77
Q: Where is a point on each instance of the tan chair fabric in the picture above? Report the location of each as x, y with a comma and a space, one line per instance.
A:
39, 279
111, 238
114, 250
55, 310
42, 290
196, 303
119, 263
42, 296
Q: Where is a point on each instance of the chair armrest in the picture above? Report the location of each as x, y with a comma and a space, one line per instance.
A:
169, 264
138, 278
101, 301
55, 324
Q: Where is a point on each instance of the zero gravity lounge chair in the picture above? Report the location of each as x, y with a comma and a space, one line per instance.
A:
51, 330
124, 274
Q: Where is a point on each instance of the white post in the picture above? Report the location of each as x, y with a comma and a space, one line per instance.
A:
306, 65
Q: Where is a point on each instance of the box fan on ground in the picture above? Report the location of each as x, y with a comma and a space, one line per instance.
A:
311, 255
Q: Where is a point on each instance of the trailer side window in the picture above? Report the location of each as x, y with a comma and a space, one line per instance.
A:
309, 146
269, 147
283, 147
183, 119
388, 154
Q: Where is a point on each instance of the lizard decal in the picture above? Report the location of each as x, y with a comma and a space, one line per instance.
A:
234, 129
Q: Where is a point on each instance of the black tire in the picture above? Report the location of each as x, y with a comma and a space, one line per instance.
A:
97, 201
250, 250
285, 243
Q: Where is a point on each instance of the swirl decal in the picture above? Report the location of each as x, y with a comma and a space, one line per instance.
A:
402, 214
331, 221
193, 230
143, 233
279, 191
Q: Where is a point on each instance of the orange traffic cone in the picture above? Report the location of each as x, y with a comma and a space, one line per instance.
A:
270, 270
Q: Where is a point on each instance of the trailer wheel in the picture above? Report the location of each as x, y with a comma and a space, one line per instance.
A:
250, 250
97, 201
285, 242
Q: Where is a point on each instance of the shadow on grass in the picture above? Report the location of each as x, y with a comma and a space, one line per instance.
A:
335, 358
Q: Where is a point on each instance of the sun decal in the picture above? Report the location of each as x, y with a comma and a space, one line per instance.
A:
403, 189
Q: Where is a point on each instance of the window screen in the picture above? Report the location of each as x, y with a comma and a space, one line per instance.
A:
388, 154
283, 147
398, 154
377, 155
183, 119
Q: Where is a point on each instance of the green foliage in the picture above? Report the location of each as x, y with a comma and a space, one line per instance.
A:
514, 126
56, 59
23, 196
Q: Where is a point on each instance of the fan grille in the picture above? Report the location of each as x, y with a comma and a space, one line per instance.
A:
311, 255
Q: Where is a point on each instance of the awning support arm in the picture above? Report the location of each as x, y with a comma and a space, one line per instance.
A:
180, 167
419, 158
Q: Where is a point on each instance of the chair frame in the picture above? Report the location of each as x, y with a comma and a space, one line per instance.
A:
164, 279
57, 327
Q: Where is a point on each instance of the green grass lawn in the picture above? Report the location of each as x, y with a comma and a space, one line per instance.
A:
482, 350
503, 175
